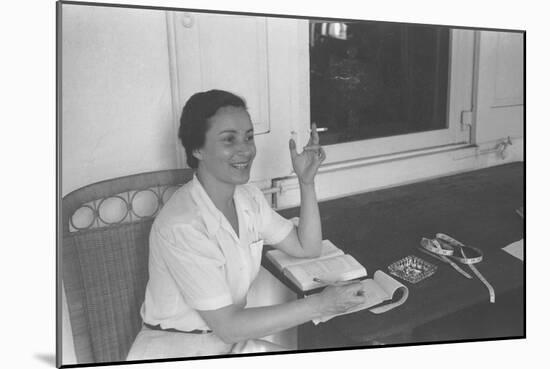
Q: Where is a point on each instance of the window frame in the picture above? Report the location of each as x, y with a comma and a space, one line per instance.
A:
461, 76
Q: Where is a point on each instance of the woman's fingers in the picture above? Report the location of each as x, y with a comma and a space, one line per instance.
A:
353, 295
316, 148
292, 148
356, 293
322, 155
354, 286
309, 147
312, 147
314, 134
343, 297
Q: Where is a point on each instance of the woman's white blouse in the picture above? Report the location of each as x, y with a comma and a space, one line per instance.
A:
196, 260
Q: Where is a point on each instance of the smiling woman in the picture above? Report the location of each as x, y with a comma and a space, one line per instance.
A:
227, 156
206, 243
229, 149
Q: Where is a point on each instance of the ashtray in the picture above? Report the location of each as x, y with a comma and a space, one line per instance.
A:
412, 269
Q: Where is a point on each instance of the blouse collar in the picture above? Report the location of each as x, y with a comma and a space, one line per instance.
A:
212, 216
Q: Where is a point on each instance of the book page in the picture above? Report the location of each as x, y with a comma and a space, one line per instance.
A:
333, 269
391, 286
283, 260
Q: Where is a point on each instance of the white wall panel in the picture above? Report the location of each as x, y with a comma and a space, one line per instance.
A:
116, 101
499, 103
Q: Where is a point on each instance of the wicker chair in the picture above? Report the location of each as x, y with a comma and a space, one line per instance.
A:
104, 258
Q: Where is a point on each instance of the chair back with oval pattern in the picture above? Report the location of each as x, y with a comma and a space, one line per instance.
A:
104, 258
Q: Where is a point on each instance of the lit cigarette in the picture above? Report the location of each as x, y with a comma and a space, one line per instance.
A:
320, 129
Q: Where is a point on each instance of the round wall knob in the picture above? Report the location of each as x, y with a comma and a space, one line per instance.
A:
187, 20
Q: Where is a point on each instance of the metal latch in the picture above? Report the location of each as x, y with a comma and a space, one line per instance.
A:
466, 119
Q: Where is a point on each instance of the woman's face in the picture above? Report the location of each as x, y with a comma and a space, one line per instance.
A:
229, 147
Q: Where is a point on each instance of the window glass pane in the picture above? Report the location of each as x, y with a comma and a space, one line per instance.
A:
373, 79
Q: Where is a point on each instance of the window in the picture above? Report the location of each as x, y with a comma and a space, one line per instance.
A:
397, 86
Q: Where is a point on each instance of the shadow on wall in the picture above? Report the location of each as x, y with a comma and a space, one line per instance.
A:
46, 358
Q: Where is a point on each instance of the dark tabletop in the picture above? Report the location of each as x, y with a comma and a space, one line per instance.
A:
381, 227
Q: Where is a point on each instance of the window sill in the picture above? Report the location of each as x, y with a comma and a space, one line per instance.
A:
340, 179
348, 164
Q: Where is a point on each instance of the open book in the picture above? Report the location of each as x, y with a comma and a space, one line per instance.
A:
332, 266
382, 293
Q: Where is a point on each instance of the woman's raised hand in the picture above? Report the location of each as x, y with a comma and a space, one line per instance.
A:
309, 160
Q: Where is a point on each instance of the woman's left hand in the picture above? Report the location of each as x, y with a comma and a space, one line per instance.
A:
308, 162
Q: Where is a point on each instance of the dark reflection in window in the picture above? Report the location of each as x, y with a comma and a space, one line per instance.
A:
372, 79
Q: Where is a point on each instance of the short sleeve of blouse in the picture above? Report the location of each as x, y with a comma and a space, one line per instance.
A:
197, 266
273, 227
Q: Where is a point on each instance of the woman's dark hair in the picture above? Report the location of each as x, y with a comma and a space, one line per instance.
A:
194, 118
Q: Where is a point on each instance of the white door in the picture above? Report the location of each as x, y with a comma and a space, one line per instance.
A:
254, 57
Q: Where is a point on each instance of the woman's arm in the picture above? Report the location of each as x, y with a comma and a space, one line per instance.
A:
234, 324
306, 241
